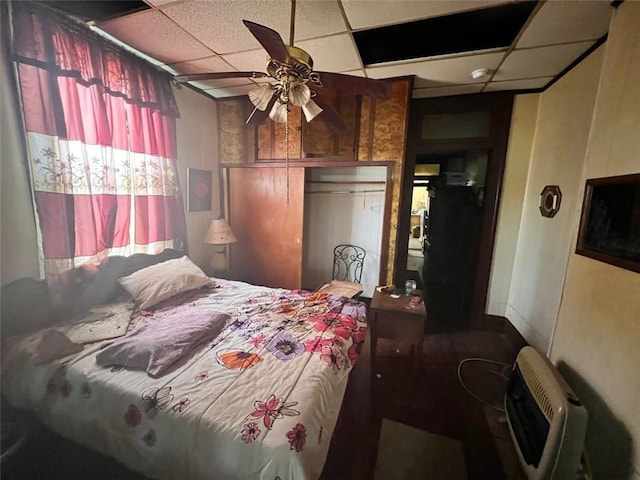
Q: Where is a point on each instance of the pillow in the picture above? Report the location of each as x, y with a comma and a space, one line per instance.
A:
105, 287
156, 283
163, 342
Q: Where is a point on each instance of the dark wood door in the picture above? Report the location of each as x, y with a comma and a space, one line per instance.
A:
450, 124
269, 231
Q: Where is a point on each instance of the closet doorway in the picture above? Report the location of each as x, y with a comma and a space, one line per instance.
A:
288, 219
453, 171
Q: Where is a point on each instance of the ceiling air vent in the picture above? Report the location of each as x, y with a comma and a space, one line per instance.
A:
482, 29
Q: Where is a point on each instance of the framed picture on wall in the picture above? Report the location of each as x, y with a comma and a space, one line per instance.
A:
610, 222
199, 192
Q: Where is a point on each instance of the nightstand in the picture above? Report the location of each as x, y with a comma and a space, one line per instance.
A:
396, 319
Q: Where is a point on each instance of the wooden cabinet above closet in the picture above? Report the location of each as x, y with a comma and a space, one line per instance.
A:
314, 139
366, 117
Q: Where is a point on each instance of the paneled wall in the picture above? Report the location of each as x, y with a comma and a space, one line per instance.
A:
380, 133
598, 327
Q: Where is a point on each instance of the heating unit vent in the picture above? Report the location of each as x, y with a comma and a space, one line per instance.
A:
546, 420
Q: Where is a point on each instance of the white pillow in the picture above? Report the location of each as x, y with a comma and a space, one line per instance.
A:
161, 281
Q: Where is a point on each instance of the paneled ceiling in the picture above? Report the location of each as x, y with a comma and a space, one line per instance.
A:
535, 42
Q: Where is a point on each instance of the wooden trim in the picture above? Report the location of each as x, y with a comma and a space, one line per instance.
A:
356, 123
346, 182
405, 192
372, 126
272, 131
340, 108
581, 248
308, 162
502, 108
386, 221
500, 105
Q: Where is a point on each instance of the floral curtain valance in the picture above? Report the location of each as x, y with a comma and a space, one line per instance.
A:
45, 40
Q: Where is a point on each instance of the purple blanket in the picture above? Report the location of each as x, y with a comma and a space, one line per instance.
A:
163, 342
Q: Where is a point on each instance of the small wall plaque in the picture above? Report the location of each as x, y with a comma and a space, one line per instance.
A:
550, 198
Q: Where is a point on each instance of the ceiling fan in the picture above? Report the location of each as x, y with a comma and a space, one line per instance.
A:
293, 81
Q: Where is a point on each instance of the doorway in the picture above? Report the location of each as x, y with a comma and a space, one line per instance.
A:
451, 223
453, 173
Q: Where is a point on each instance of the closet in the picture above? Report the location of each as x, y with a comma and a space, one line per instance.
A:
289, 218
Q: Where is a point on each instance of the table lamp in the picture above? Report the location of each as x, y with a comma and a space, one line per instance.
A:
220, 234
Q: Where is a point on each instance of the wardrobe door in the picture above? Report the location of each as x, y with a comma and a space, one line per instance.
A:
269, 231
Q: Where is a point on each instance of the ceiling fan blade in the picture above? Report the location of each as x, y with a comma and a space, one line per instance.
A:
192, 77
270, 40
332, 118
355, 85
259, 116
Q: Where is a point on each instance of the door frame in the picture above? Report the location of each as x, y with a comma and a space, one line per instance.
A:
500, 107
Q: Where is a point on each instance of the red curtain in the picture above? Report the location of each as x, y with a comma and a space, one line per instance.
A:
100, 129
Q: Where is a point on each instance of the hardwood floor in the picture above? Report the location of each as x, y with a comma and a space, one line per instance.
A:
425, 392
420, 391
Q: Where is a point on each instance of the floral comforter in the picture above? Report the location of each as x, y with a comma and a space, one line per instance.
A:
259, 401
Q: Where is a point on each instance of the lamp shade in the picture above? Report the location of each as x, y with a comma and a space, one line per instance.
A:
219, 233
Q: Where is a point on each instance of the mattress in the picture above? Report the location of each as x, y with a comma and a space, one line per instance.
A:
259, 401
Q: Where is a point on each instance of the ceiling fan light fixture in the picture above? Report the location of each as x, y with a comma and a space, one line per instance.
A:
278, 112
311, 110
299, 94
260, 96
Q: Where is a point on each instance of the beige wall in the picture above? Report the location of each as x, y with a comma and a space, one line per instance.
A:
597, 339
558, 150
585, 314
18, 246
523, 124
197, 132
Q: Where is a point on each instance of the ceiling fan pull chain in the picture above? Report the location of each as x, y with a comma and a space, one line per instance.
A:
286, 146
293, 21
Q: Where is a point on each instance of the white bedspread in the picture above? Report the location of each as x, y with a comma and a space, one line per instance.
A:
260, 401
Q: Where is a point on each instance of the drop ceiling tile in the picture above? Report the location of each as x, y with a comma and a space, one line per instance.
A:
375, 13
336, 53
213, 63
230, 91
440, 72
526, 84
563, 22
539, 62
219, 23
254, 60
446, 91
158, 3
155, 35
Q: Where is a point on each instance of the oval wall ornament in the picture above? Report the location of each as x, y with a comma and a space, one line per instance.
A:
550, 198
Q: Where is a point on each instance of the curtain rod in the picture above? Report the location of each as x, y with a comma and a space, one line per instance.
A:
347, 182
342, 192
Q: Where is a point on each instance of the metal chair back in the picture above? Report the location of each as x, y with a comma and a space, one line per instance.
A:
348, 261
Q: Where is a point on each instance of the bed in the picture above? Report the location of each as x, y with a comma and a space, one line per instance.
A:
258, 396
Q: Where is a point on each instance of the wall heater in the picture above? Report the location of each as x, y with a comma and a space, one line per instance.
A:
547, 421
